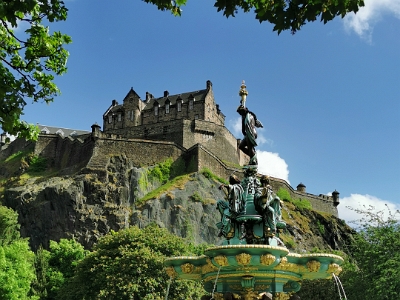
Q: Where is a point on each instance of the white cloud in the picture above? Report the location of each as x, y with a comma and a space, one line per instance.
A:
271, 164
357, 201
364, 20
236, 126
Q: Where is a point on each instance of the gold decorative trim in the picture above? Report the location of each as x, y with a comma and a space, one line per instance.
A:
171, 272
187, 268
313, 265
247, 269
260, 276
208, 268
281, 296
218, 296
249, 295
334, 268
267, 259
243, 259
249, 247
221, 260
185, 257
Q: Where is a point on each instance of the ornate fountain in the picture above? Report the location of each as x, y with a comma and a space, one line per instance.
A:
252, 259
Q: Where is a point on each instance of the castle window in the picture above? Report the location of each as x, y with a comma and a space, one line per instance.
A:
196, 117
119, 117
179, 105
156, 110
109, 119
45, 130
167, 108
191, 104
132, 115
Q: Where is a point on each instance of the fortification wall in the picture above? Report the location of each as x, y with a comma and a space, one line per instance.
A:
218, 139
72, 154
321, 203
140, 152
15, 146
169, 130
215, 138
67, 154
206, 159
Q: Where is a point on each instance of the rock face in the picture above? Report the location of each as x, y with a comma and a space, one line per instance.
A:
87, 206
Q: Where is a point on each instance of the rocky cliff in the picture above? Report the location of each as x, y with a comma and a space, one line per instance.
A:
90, 203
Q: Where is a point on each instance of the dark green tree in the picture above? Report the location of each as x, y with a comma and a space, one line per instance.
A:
16, 258
9, 226
29, 60
56, 266
283, 14
129, 265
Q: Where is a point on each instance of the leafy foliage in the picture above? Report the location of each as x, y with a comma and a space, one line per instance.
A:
161, 171
210, 175
373, 268
283, 14
16, 259
174, 183
9, 227
29, 60
129, 265
284, 194
56, 266
16, 270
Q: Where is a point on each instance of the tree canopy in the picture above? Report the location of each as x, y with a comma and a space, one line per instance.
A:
128, 264
283, 14
29, 59
16, 258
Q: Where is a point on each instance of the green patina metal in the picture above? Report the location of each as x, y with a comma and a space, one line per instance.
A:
251, 259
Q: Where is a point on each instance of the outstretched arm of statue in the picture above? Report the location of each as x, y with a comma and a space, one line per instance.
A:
224, 188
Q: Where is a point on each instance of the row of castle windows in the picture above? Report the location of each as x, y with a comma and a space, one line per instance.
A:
178, 106
156, 110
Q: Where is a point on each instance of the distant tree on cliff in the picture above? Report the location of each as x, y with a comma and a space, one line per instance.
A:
284, 14
16, 259
128, 264
29, 59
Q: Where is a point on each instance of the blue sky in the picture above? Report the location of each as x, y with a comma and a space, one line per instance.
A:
328, 96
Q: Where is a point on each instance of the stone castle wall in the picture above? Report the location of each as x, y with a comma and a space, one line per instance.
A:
187, 133
94, 153
323, 203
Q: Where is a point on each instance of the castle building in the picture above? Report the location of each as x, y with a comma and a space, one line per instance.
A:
186, 119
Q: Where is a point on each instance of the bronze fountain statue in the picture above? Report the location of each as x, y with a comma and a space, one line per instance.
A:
252, 261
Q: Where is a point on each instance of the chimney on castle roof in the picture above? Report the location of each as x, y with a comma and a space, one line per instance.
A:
208, 84
114, 102
148, 96
166, 93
